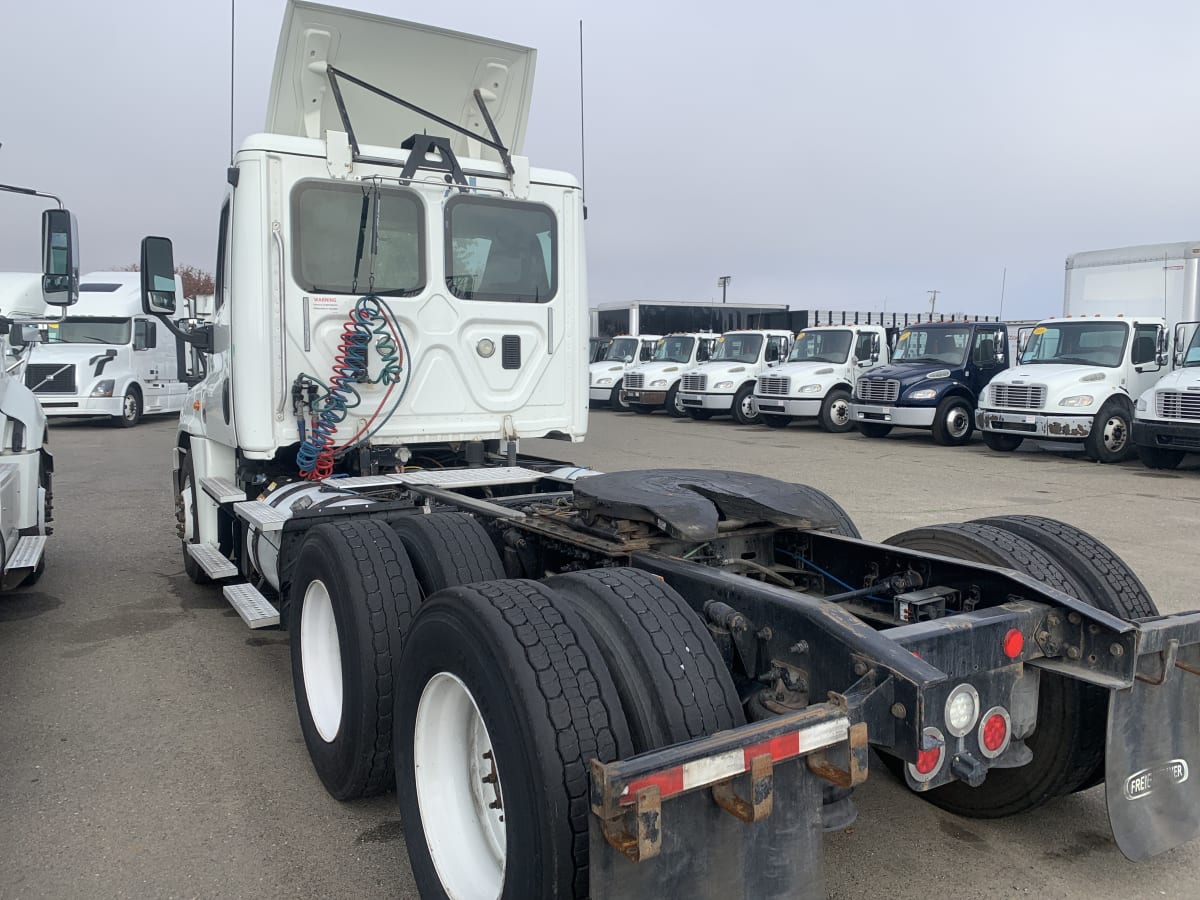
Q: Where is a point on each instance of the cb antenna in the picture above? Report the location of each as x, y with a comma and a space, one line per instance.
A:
582, 133
232, 19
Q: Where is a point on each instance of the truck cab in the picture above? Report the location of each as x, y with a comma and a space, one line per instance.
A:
1166, 418
933, 381
1075, 384
817, 381
655, 383
108, 358
606, 376
724, 385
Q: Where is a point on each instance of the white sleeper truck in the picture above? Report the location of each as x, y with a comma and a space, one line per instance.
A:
628, 685
654, 384
817, 381
1166, 418
724, 385
108, 358
1078, 376
606, 376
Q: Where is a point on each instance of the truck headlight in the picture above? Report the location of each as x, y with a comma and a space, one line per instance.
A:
723, 386
603, 381
1141, 404
103, 388
924, 394
810, 389
659, 382
1077, 400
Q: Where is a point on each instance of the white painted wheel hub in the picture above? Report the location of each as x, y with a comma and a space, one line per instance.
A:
321, 660
458, 791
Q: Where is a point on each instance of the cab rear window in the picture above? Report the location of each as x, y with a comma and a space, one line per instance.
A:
500, 250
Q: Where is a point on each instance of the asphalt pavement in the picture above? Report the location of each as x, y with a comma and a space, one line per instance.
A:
149, 745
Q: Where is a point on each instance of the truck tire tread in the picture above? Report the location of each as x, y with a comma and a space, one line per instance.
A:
550, 671
448, 549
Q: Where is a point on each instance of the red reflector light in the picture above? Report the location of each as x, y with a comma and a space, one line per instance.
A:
995, 732
1014, 643
927, 760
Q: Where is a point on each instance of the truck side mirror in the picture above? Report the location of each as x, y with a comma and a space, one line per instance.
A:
20, 335
60, 258
1022, 339
158, 276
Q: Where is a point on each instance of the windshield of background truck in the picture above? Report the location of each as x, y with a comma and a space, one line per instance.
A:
738, 347
821, 346
1079, 343
622, 348
932, 345
1192, 357
89, 331
674, 349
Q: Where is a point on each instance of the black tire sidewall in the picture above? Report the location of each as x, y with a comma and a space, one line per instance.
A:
1094, 443
672, 409
739, 397
614, 399
825, 420
941, 433
129, 422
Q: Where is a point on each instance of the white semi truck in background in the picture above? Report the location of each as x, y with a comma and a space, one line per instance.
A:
817, 381
1079, 375
724, 384
26, 465
606, 376
654, 384
108, 358
628, 685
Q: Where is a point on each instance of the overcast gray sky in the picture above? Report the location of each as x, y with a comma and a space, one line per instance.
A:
831, 155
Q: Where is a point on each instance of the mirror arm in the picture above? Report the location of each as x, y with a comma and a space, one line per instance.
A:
201, 338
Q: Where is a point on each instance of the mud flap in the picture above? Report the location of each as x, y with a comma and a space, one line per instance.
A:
707, 854
1153, 755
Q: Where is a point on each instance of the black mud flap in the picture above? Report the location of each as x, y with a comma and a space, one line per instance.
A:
707, 854
1153, 755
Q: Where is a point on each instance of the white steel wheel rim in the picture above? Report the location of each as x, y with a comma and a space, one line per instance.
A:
839, 412
748, 407
678, 401
321, 660
458, 791
1115, 434
130, 405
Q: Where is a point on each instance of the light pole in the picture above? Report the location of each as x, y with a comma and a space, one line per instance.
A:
723, 283
932, 302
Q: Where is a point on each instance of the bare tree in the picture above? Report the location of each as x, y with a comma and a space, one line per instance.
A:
195, 280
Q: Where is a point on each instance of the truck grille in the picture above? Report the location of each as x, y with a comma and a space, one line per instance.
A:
1177, 405
50, 378
776, 385
877, 390
635, 381
695, 382
1019, 396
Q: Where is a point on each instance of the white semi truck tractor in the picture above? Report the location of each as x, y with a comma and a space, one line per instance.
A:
627, 685
606, 376
1166, 418
26, 464
724, 383
654, 384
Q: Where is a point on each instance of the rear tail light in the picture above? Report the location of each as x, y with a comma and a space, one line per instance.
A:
962, 710
931, 758
995, 732
1014, 643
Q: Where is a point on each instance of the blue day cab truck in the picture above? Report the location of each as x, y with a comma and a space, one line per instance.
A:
937, 372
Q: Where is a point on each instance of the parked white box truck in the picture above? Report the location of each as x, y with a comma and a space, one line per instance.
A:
724, 385
654, 384
1166, 423
606, 376
1078, 375
629, 685
817, 381
108, 358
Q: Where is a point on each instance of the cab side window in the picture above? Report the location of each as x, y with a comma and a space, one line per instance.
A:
144, 335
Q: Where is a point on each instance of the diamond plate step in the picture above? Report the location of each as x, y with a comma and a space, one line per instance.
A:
28, 552
222, 490
255, 609
261, 515
212, 561
363, 481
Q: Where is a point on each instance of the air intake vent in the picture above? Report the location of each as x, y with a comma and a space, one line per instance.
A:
510, 351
